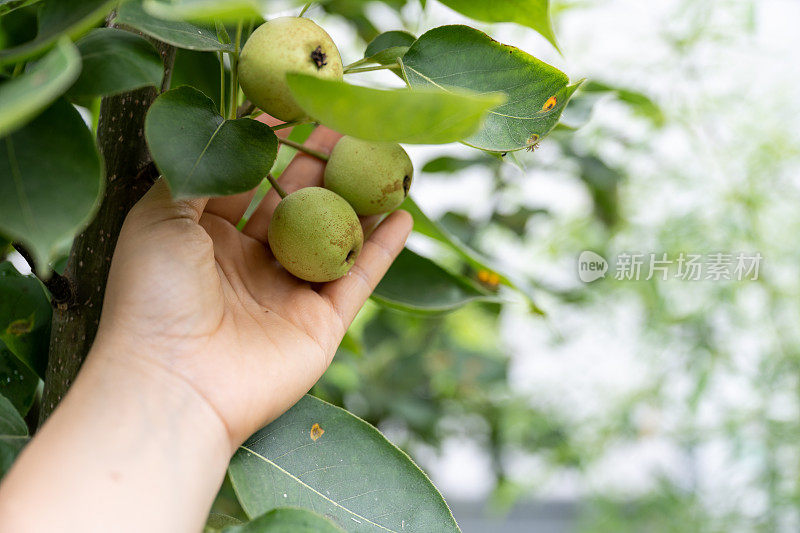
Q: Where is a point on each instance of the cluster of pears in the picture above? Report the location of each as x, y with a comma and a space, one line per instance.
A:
315, 232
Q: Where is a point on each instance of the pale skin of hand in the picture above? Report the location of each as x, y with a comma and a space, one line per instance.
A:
204, 338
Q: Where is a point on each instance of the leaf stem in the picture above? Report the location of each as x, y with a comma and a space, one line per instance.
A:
306, 150
368, 69
59, 287
305, 8
278, 188
289, 124
362, 61
222, 106
234, 105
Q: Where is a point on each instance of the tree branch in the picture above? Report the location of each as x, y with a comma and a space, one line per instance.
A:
60, 287
129, 172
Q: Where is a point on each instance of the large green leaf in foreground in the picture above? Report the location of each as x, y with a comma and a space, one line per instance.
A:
176, 33
326, 460
21, 98
532, 13
202, 154
13, 434
463, 58
50, 181
415, 117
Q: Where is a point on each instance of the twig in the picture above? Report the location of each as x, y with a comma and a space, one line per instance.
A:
278, 188
369, 69
60, 287
246, 109
310, 151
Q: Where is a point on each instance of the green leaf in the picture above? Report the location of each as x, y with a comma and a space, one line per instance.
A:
216, 522
287, 520
640, 103
200, 70
115, 61
180, 34
18, 382
531, 13
324, 459
448, 165
414, 117
463, 58
430, 228
23, 97
389, 39
202, 154
25, 315
57, 18
51, 180
387, 47
204, 10
7, 6
417, 284
13, 434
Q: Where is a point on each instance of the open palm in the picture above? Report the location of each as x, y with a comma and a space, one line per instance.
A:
221, 312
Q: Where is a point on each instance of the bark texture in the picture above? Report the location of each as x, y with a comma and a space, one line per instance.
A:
129, 174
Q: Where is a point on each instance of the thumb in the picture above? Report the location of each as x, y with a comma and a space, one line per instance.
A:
157, 205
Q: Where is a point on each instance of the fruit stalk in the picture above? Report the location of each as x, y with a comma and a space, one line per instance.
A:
368, 69
305, 149
275, 186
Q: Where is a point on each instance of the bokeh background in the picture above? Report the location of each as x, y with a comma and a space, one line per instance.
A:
627, 406
630, 405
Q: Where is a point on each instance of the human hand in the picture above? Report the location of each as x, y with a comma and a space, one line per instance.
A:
190, 295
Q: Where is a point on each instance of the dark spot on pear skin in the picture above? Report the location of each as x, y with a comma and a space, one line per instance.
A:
351, 255
406, 185
319, 58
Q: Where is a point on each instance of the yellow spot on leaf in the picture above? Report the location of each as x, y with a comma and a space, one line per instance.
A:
316, 432
550, 103
20, 327
489, 278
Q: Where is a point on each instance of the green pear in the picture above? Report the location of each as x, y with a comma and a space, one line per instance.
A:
315, 234
280, 46
373, 176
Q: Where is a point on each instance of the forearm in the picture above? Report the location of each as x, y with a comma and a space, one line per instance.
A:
131, 448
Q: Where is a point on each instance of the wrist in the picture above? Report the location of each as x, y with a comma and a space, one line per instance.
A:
132, 431
129, 374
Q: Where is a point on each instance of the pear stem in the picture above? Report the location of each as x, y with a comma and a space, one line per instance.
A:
278, 188
289, 124
368, 69
303, 12
310, 151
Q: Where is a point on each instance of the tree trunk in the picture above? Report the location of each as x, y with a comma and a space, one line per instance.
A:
129, 174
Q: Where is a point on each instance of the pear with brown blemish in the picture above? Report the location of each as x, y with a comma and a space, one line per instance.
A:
280, 46
373, 176
315, 235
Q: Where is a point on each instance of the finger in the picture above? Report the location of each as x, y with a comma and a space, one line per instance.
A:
157, 205
231, 208
270, 121
303, 171
347, 295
